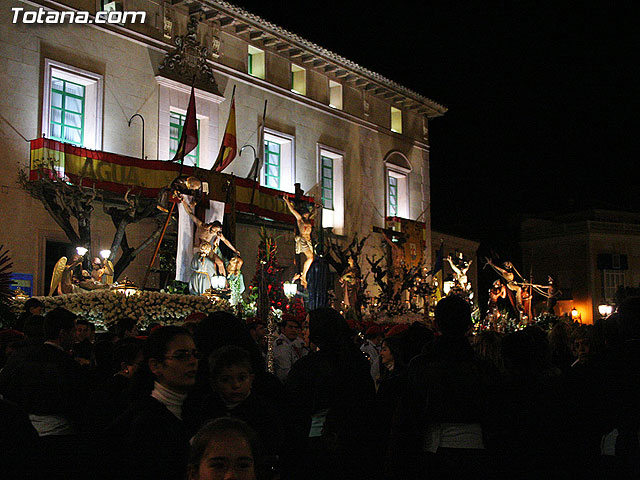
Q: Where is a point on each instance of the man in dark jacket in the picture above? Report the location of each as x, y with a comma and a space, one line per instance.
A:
446, 397
50, 386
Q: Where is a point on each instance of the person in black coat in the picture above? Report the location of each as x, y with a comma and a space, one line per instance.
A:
150, 440
446, 398
52, 388
330, 396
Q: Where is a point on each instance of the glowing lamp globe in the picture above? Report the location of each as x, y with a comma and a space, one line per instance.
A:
290, 289
218, 282
605, 310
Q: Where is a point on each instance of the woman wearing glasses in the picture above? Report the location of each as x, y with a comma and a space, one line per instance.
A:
153, 441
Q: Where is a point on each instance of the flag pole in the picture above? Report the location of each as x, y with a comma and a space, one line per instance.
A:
258, 159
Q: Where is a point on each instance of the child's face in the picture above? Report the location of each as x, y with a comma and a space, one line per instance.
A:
234, 383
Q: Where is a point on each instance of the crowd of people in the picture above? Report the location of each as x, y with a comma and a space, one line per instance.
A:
197, 401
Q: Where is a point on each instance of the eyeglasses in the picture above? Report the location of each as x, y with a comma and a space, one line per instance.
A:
184, 355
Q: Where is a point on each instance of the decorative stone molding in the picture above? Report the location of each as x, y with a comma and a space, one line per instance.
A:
187, 63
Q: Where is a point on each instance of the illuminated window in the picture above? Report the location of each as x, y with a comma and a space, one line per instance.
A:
326, 181
67, 111
611, 280
72, 105
272, 164
255, 62
393, 195
397, 170
331, 187
176, 123
396, 120
335, 95
278, 168
298, 80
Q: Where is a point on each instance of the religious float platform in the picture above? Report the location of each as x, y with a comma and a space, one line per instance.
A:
106, 306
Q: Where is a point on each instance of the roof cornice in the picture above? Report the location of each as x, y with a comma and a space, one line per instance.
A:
299, 50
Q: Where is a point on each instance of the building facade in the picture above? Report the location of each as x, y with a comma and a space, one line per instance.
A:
354, 140
589, 254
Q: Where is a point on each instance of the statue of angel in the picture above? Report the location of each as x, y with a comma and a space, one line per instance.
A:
63, 279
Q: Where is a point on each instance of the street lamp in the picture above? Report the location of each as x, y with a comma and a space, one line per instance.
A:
290, 289
105, 253
575, 314
605, 310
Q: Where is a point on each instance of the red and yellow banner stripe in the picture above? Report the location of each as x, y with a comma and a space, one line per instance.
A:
119, 173
107, 171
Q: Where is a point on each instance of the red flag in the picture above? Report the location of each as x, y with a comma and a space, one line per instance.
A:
189, 137
229, 146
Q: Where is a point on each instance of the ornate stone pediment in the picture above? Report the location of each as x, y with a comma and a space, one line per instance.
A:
188, 61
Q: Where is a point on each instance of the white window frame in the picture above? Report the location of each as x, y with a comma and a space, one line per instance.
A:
174, 96
333, 218
335, 95
298, 79
259, 56
93, 106
396, 120
401, 173
287, 160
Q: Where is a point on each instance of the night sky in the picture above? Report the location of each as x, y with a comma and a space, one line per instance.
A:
541, 99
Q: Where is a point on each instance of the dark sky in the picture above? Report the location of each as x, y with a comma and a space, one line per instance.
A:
541, 97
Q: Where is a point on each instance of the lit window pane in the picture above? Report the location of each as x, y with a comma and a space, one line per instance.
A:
74, 89
273, 159
72, 119
72, 135
56, 130
272, 182
273, 171
73, 105
57, 84
56, 99
56, 115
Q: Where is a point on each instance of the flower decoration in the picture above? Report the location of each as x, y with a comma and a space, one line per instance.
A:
104, 307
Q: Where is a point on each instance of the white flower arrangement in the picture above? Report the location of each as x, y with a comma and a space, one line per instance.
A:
104, 307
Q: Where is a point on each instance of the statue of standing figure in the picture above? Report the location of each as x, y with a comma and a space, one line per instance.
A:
351, 281
235, 279
303, 241
202, 269
210, 233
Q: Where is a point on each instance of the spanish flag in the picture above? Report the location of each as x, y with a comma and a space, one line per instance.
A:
189, 137
229, 147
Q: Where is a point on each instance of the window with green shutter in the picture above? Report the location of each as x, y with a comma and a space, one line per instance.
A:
393, 196
176, 123
327, 182
272, 164
67, 111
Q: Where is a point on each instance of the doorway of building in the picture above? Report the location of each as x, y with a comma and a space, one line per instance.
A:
53, 251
